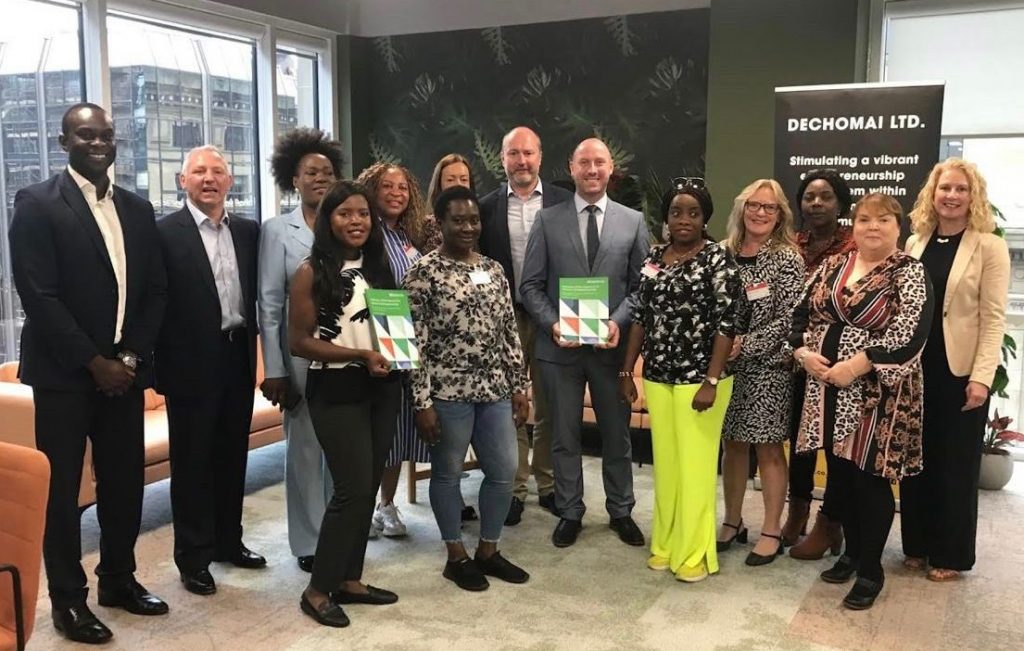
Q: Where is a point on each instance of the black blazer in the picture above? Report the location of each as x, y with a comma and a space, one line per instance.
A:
67, 286
494, 238
189, 344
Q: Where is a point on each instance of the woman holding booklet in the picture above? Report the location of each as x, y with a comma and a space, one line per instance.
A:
683, 321
471, 386
353, 394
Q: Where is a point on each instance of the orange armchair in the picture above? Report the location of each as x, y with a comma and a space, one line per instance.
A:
24, 488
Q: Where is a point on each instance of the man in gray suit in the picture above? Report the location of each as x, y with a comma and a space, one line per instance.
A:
596, 237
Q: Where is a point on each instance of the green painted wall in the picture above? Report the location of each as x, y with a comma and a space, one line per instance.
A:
756, 45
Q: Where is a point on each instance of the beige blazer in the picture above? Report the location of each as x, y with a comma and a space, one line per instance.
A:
974, 307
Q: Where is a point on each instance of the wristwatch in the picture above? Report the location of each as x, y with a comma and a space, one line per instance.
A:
129, 359
713, 381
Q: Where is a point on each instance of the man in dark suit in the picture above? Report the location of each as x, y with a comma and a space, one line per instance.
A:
87, 267
206, 368
590, 236
506, 217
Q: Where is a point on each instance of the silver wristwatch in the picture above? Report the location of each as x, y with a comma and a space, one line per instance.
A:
713, 381
129, 359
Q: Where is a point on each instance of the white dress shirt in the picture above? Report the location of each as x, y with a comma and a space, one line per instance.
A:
220, 251
105, 214
582, 215
521, 215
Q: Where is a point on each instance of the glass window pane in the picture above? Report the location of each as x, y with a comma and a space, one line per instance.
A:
296, 100
40, 77
173, 89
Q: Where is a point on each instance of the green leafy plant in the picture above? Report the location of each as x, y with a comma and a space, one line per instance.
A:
999, 436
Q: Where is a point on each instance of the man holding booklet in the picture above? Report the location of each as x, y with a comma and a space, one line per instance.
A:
579, 253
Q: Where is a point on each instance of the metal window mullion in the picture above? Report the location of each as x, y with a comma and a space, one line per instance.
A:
207, 99
267, 197
44, 146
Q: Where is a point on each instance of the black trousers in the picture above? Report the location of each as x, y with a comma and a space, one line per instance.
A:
209, 446
64, 420
356, 438
939, 507
802, 466
869, 508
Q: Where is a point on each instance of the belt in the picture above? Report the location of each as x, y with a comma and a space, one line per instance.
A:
233, 334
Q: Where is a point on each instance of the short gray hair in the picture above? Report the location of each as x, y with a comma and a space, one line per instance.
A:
195, 150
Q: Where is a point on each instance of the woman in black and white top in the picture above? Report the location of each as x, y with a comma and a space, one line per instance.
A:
353, 395
472, 386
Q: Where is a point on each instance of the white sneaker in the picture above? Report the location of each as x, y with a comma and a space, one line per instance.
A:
387, 520
374, 529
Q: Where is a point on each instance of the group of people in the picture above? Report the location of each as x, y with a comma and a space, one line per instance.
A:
830, 337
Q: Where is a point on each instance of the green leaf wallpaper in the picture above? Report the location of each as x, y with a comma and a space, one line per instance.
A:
639, 82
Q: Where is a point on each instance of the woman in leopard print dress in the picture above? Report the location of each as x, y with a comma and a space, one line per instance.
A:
859, 331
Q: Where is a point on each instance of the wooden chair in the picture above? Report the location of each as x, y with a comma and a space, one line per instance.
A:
413, 475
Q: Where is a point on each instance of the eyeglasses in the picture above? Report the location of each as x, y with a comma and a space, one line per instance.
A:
681, 182
769, 208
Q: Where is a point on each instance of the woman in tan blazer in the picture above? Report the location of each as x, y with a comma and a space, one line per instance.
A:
969, 267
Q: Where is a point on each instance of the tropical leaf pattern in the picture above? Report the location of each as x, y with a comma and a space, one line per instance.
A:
638, 82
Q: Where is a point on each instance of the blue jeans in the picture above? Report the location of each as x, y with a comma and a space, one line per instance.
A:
489, 426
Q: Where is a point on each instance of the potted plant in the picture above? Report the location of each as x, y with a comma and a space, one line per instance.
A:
996, 462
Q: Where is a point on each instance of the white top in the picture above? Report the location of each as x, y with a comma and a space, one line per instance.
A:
521, 215
583, 216
105, 214
220, 251
349, 326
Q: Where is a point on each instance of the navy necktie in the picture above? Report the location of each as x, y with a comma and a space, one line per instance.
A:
593, 239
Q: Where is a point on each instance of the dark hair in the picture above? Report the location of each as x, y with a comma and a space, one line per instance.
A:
326, 256
700, 193
883, 202
833, 178
454, 193
292, 145
74, 108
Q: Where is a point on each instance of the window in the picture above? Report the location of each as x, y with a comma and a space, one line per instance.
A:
296, 100
40, 76
173, 89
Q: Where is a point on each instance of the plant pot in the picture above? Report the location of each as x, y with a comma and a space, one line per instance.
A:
996, 470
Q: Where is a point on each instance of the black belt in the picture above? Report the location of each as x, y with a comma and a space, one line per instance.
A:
234, 333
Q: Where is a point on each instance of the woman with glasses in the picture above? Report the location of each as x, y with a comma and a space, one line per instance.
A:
824, 199
859, 331
683, 321
760, 236
307, 162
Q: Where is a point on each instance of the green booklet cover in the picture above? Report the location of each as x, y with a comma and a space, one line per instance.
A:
583, 310
393, 334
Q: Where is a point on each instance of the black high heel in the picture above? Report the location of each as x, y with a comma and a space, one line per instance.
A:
740, 536
754, 559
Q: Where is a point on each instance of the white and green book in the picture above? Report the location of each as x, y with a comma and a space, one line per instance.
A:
583, 310
393, 334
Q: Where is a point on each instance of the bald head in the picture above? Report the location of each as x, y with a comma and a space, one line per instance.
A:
590, 166
521, 156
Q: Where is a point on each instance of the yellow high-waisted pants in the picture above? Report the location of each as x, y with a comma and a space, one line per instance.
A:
685, 444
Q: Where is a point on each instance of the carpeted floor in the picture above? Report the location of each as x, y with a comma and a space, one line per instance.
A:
595, 595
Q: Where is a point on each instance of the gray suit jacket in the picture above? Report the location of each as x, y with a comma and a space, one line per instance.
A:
284, 242
555, 250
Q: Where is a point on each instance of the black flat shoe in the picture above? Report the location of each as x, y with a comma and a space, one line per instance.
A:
548, 502
469, 514
466, 574
305, 563
740, 536
373, 596
754, 559
500, 567
78, 624
328, 614
628, 532
134, 598
566, 532
863, 594
841, 571
515, 512
244, 558
199, 582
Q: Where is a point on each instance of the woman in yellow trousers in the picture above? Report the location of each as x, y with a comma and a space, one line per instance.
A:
683, 322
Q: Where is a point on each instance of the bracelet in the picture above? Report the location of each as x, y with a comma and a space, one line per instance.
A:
801, 357
625, 373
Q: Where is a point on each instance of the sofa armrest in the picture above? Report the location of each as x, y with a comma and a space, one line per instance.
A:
17, 415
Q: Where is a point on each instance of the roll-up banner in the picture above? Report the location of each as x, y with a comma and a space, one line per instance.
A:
880, 137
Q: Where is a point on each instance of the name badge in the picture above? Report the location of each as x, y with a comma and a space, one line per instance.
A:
757, 291
479, 277
650, 270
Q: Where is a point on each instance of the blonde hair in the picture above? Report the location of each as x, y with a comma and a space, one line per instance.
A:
782, 235
412, 221
979, 212
435, 179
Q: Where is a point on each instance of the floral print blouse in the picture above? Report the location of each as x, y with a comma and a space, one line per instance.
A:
682, 307
466, 331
